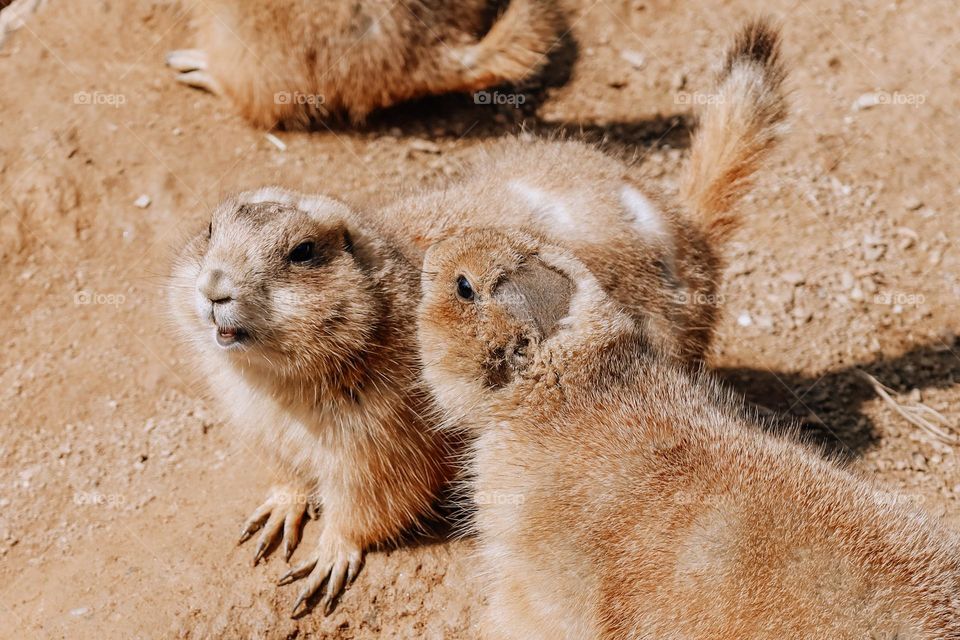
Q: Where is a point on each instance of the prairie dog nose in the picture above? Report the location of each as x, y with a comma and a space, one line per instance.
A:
216, 286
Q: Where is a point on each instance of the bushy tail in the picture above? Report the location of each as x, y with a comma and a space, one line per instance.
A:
740, 125
516, 47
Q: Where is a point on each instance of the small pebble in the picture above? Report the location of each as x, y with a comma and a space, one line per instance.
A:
866, 101
425, 146
847, 281
793, 277
801, 315
142, 202
912, 203
634, 58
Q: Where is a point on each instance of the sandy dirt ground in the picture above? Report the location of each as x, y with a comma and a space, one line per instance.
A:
122, 489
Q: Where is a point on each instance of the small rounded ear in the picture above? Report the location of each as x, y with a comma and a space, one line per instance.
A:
537, 295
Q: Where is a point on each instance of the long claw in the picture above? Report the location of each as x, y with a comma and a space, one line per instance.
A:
199, 80
352, 570
296, 605
296, 573
327, 604
261, 548
187, 59
244, 536
335, 583
291, 534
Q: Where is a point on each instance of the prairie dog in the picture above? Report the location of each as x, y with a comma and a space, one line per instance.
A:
661, 259
291, 62
619, 495
301, 317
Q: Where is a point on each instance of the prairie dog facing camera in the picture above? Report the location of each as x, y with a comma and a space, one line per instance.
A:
291, 62
661, 258
300, 316
619, 495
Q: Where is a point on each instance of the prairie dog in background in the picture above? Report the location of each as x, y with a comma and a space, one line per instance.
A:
291, 62
301, 318
621, 496
661, 259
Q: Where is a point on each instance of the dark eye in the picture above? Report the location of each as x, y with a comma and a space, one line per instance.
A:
464, 289
210, 230
303, 252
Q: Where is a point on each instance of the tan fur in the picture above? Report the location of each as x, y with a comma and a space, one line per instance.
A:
660, 259
621, 496
329, 57
327, 380
749, 101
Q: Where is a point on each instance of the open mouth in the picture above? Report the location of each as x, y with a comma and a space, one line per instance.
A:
229, 336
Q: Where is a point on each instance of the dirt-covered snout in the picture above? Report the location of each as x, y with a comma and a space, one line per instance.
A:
269, 274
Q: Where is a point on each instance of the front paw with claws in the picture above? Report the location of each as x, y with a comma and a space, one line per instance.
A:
335, 561
282, 512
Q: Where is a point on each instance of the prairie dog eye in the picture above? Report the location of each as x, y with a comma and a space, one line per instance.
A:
465, 289
210, 230
303, 252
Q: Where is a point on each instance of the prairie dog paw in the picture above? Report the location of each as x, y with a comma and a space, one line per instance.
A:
336, 561
282, 511
192, 65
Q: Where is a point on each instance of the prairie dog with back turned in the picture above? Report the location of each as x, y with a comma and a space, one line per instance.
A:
661, 258
619, 495
292, 62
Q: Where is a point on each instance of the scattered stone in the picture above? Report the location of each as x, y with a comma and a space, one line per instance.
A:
908, 237
275, 141
793, 277
634, 58
79, 612
866, 101
918, 461
912, 203
847, 281
142, 202
873, 248
424, 146
744, 319
802, 316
